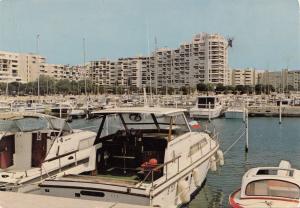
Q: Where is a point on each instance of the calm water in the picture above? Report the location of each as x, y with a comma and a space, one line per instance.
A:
269, 142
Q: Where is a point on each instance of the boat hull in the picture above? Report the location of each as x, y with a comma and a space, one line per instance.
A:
206, 113
164, 196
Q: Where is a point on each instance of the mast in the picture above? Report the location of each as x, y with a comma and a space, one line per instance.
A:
155, 60
84, 67
37, 52
149, 68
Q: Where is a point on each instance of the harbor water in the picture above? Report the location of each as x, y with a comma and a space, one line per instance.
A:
269, 142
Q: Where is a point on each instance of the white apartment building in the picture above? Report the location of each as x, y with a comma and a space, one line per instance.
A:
60, 71
248, 76
125, 72
19, 67
102, 72
203, 60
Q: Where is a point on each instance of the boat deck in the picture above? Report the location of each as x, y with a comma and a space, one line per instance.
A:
129, 181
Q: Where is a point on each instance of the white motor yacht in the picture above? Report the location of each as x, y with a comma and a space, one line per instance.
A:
34, 147
207, 107
145, 156
267, 187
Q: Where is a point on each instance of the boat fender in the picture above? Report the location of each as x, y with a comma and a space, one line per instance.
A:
197, 177
213, 163
220, 157
183, 190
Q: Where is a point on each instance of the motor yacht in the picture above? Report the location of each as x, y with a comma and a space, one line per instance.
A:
145, 156
35, 146
207, 107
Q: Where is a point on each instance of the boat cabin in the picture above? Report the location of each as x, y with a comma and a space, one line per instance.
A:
272, 183
133, 140
207, 102
26, 138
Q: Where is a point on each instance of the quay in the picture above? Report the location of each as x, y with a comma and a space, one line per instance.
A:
20, 200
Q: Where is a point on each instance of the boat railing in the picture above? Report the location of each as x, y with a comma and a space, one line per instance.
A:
59, 157
158, 168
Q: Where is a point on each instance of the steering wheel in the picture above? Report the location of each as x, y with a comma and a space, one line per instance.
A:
135, 117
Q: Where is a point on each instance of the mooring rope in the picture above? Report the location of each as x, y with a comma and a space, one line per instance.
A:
229, 148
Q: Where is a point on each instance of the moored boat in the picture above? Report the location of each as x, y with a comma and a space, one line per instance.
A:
268, 187
146, 156
35, 146
206, 107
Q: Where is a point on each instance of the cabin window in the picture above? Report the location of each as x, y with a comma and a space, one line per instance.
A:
198, 146
275, 188
203, 102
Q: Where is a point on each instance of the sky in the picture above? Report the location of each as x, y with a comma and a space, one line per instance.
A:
266, 32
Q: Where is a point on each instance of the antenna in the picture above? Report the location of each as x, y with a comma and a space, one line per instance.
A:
149, 68
84, 67
156, 72
37, 52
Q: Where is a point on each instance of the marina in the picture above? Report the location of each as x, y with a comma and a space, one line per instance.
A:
217, 187
149, 104
282, 140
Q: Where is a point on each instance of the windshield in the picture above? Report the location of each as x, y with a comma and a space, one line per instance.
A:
113, 123
8, 125
32, 123
27, 124
59, 124
275, 188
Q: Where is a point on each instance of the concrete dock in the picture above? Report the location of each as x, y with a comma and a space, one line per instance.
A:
20, 200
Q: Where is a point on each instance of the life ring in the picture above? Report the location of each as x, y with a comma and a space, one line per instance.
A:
135, 117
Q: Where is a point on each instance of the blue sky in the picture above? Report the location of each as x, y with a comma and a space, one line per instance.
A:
266, 32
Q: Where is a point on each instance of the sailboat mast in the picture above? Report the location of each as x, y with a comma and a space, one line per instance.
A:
84, 66
38, 79
155, 65
149, 68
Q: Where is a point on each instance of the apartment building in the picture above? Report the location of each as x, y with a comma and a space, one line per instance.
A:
60, 71
131, 70
19, 67
125, 72
248, 76
203, 60
102, 72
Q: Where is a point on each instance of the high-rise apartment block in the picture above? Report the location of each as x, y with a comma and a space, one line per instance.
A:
203, 60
